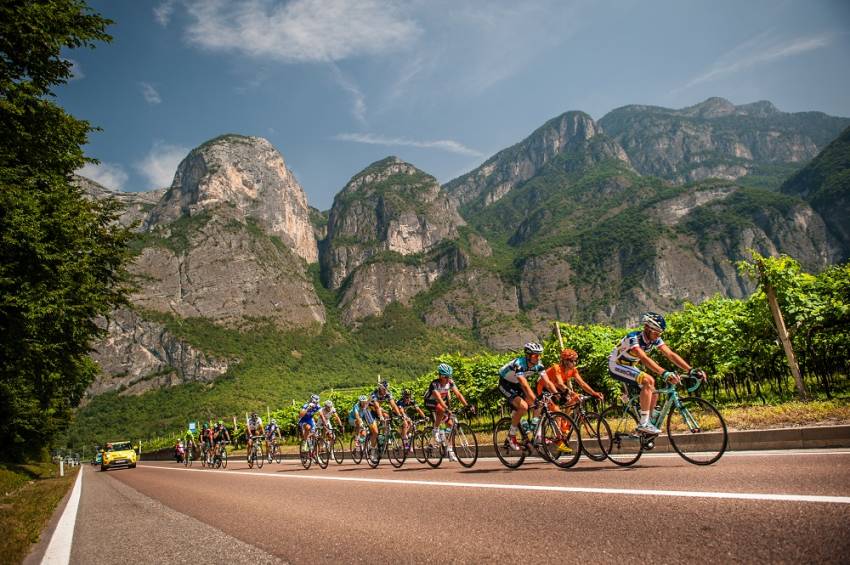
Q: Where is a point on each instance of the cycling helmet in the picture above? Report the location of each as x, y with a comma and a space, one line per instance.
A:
532, 348
654, 321
384, 384
273, 422
569, 355
405, 393
363, 398
253, 414
445, 370
314, 398
220, 423
329, 404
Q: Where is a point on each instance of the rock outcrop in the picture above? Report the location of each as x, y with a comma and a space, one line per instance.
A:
389, 207
138, 355
135, 205
249, 175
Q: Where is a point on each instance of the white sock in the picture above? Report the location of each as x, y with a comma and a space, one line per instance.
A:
644, 417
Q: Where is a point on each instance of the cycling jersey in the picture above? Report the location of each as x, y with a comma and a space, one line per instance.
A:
255, 426
364, 413
518, 368
271, 430
621, 363
556, 373
326, 413
438, 389
404, 404
378, 397
309, 410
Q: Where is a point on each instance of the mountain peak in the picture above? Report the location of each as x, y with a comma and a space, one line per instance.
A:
713, 107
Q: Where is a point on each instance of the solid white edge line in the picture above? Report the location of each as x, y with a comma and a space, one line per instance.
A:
59, 550
549, 488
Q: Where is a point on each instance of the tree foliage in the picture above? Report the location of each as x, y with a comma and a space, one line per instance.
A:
62, 256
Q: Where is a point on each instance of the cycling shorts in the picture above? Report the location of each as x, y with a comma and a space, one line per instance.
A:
510, 390
431, 403
629, 374
306, 421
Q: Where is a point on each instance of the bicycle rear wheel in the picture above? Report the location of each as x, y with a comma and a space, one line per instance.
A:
465, 444
373, 453
304, 455
419, 439
589, 424
223, 457
697, 431
323, 453
396, 452
619, 439
356, 450
561, 440
509, 458
432, 450
261, 456
338, 450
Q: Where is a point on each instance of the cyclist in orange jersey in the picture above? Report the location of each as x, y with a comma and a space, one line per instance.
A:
560, 374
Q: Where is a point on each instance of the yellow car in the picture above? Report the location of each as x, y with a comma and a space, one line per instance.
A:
118, 454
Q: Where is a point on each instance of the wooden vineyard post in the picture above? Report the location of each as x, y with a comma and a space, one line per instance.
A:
561, 344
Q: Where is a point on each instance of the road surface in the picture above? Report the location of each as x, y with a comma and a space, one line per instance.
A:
789, 506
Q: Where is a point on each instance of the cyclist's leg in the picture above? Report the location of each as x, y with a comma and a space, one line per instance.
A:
634, 377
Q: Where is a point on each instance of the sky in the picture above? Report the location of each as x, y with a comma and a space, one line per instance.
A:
336, 85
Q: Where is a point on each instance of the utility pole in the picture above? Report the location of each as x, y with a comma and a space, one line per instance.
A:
782, 331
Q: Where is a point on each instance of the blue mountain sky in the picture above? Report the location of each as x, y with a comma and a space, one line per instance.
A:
338, 84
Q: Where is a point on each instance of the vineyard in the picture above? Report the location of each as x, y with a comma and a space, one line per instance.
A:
734, 341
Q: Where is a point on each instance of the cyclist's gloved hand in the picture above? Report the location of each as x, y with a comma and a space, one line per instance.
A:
670, 376
698, 373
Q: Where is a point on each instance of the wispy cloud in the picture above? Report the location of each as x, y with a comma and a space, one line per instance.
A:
358, 109
301, 30
163, 11
150, 93
442, 144
109, 175
757, 51
76, 69
160, 164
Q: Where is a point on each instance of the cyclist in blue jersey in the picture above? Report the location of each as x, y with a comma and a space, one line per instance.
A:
383, 394
360, 418
513, 384
634, 350
305, 421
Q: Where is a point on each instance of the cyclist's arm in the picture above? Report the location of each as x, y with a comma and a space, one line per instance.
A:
526, 389
674, 357
421, 413
647, 361
460, 396
338, 420
587, 388
395, 408
547, 382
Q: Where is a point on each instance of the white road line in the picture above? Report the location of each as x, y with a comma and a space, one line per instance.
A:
59, 550
547, 488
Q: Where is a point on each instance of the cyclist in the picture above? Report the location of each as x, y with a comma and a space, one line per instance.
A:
326, 413
253, 427
437, 400
383, 394
206, 439
558, 375
513, 384
189, 442
272, 434
220, 434
406, 403
634, 349
360, 418
305, 422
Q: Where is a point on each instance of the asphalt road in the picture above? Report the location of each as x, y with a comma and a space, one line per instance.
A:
664, 510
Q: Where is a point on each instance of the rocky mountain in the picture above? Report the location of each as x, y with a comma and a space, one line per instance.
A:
572, 132
716, 139
825, 184
249, 175
390, 208
135, 205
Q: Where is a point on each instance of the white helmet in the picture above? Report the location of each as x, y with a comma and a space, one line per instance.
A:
329, 404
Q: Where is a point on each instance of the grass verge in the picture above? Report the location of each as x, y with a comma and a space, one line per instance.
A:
788, 414
30, 493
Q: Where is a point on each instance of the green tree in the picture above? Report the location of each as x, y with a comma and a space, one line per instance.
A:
62, 256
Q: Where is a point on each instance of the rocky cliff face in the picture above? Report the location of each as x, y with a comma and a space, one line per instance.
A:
716, 138
389, 207
249, 175
573, 132
138, 355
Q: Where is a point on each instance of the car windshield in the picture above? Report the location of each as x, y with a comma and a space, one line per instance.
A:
121, 446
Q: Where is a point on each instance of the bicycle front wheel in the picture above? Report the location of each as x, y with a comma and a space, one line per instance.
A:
396, 451
465, 444
619, 439
261, 456
304, 455
509, 457
589, 424
373, 452
561, 440
356, 450
250, 456
697, 431
432, 449
224, 457
420, 439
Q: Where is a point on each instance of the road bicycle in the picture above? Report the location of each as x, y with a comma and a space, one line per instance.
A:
588, 422
420, 430
389, 444
459, 435
695, 428
255, 454
555, 437
316, 449
220, 459
357, 446
335, 442
275, 454
189, 456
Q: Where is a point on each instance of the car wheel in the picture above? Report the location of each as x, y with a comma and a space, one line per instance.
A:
133, 466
